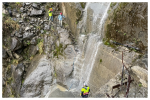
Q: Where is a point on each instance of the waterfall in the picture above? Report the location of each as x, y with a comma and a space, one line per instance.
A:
92, 42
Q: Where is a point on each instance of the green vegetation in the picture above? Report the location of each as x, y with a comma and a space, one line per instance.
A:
22, 81
106, 42
45, 31
100, 60
14, 61
58, 50
83, 4
123, 4
9, 25
49, 5
140, 85
38, 27
113, 4
52, 28
18, 4
40, 45
28, 43
108, 11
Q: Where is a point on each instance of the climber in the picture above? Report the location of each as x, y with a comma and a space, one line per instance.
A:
50, 14
60, 19
85, 91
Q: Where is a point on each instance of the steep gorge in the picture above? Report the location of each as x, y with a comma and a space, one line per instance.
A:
43, 60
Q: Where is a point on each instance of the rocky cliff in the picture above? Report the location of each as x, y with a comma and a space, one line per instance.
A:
41, 59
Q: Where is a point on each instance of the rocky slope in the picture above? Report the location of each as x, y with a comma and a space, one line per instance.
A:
30, 46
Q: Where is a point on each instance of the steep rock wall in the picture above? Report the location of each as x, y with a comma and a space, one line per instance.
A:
127, 24
73, 13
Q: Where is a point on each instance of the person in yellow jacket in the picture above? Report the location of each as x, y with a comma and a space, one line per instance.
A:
85, 91
50, 14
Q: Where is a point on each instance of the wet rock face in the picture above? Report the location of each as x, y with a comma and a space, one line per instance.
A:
72, 12
38, 81
128, 23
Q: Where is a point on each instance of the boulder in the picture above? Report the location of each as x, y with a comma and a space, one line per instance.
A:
36, 6
33, 50
28, 35
16, 44
38, 79
36, 12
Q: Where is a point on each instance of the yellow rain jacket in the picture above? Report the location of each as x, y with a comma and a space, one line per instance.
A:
50, 13
85, 90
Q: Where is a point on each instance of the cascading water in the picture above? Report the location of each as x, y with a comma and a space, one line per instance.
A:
91, 43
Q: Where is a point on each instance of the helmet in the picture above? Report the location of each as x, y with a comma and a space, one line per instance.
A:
50, 9
60, 13
84, 84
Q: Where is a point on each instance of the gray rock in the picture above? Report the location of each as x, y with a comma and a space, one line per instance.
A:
27, 4
5, 55
18, 15
42, 31
70, 52
20, 21
16, 44
16, 55
18, 35
42, 8
24, 15
35, 6
46, 27
22, 9
9, 53
34, 40
33, 50
17, 76
28, 13
23, 4
36, 12
38, 78
27, 28
27, 35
